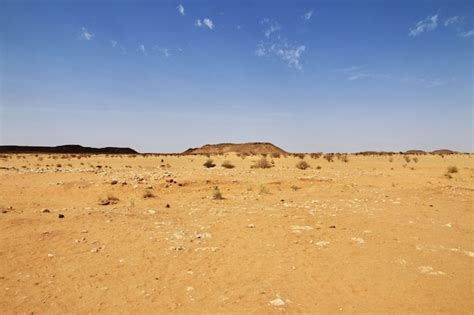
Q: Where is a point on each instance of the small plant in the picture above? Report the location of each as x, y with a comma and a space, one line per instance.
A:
263, 190
390, 159
415, 159
452, 169
148, 194
262, 163
227, 164
216, 194
302, 165
315, 155
209, 163
276, 155
407, 158
344, 158
318, 167
329, 157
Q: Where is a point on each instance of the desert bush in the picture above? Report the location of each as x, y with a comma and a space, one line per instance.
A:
209, 163
390, 159
329, 157
216, 194
407, 158
300, 155
262, 163
276, 155
302, 165
315, 155
318, 167
148, 194
344, 158
415, 159
227, 164
452, 169
263, 190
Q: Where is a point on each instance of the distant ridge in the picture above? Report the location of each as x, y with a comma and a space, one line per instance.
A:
65, 149
241, 148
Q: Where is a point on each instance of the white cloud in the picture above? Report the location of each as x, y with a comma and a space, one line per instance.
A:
426, 25
113, 43
467, 34
142, 49
280, 48
428, 83
307, 16
206, 22
180, 9
270, 27
360, 72
453, 20
85, 34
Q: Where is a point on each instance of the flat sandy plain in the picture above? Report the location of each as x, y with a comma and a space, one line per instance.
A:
366, 236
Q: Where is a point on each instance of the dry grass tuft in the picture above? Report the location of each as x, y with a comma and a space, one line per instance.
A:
227, 164
302, 165
262, 163
209, 163
452, 169
216, 194
148, 194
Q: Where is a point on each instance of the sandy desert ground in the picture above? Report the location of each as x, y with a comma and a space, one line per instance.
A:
367, 236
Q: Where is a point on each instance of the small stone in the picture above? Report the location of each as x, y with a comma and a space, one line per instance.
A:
277, 302
151, 211
167, 205
45, 210
61, 216
332, 226
50, 255
113, 182
251, 226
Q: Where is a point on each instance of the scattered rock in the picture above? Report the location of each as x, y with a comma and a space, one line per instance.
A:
61, 216
358, 240
332, 226
167, 205
277, 302
45, 210
251, 226
113, 182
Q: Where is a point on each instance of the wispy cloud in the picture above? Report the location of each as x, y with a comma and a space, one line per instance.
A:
270, 27
361, 72
453, 20
426, 25
141, 48
307, 16
113, 43
467, 34
180, 9
84, 34
206, 22
426, 82
280, 48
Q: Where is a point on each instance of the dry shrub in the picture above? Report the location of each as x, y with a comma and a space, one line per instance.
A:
216, 194
262, 163
209, 163
148, 194
329, 157
452, 169
227, 164
407, 158
415, 159
315, 155
276, 155
302, 165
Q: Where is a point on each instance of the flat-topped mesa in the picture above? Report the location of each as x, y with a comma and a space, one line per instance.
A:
65, 149
251, 148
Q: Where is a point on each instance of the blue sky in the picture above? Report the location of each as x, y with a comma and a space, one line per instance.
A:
162, 76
